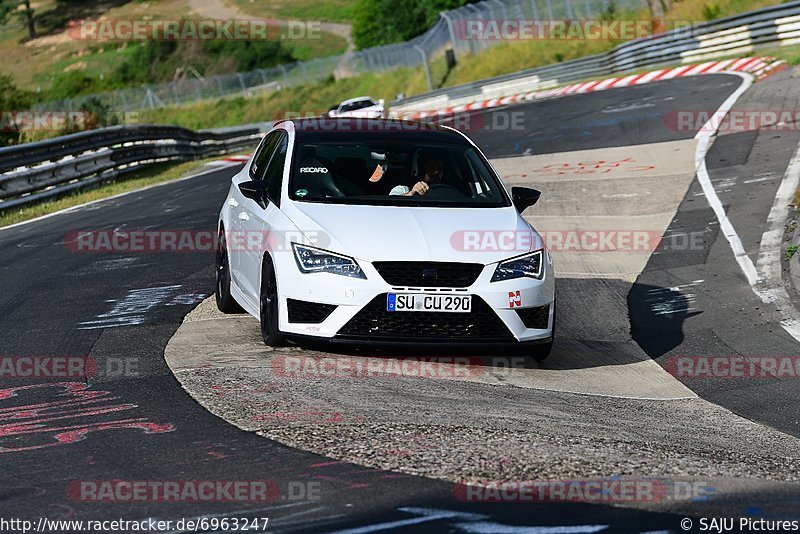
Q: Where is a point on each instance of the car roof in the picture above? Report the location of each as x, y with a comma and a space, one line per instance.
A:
357, 99
330, 128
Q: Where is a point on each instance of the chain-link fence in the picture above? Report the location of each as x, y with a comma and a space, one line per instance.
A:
446, 34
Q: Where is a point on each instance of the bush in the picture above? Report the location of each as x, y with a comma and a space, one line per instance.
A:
71, 84
250, 55
159, 61
711, 12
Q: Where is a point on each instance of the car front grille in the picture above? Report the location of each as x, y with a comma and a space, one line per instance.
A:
301, 311
375, 322
428, 273
535, 317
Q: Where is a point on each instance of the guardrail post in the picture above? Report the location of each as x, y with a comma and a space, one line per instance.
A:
450, 30
570, 13
425, 66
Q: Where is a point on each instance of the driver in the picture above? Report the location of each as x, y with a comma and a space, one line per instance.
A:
433, 169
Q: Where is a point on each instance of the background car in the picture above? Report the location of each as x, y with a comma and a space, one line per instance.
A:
345, 259
363, 107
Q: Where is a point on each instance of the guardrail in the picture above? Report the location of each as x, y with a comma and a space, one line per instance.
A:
35, 171
777, 25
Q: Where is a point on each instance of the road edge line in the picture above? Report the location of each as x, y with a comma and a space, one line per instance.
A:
768, 290
705, 139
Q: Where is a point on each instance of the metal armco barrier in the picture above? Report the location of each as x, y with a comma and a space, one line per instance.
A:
773, 26
36, 171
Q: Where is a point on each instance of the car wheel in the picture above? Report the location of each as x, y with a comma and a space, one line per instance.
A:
222, 292
541, 352
269, 306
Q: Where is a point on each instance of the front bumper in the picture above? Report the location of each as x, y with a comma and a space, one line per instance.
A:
360, 317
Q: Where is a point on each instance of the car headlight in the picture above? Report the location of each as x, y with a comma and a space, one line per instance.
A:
529, 265
316, 260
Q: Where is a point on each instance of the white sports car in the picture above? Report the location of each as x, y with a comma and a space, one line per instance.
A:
362, 107
384, 232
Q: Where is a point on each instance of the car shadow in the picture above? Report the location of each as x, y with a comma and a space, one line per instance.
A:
657, 315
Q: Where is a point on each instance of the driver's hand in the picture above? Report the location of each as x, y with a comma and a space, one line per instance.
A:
420, 188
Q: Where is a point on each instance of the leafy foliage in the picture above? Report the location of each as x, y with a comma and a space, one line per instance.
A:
11, 99
162, 61
21, 8
380, 22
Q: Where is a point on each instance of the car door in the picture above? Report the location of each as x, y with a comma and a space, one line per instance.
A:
244, 225
261, 235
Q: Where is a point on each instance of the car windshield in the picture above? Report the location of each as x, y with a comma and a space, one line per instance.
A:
358, 104
393, 173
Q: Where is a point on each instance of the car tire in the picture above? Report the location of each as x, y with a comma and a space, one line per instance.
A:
268, 306
541, 352
222, 291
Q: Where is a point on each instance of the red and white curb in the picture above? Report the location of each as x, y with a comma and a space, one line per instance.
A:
760, 67
229, 161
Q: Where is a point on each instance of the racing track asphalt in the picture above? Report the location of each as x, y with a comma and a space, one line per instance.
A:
50, 293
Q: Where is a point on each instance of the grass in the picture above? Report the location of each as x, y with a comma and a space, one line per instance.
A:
790, 251
790, 54
306, 100
324, 44
329, 10
704, 10
153, 174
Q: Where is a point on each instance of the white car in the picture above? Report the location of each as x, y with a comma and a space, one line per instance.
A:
363, 231
362, 107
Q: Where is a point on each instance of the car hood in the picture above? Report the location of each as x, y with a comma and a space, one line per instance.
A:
392, 233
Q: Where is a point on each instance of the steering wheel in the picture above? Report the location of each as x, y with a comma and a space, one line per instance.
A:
444, 191
442, 186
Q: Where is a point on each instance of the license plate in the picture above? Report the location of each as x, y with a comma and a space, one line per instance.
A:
431, 303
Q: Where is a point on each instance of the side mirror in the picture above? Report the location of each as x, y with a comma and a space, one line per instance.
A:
255, 190
524, 197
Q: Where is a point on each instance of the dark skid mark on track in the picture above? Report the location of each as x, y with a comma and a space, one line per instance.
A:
730, 150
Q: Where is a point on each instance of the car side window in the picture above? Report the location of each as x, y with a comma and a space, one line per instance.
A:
263, 155
274, 174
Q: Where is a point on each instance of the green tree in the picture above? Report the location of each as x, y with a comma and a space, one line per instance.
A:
380, 22
12, 99
8, 7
